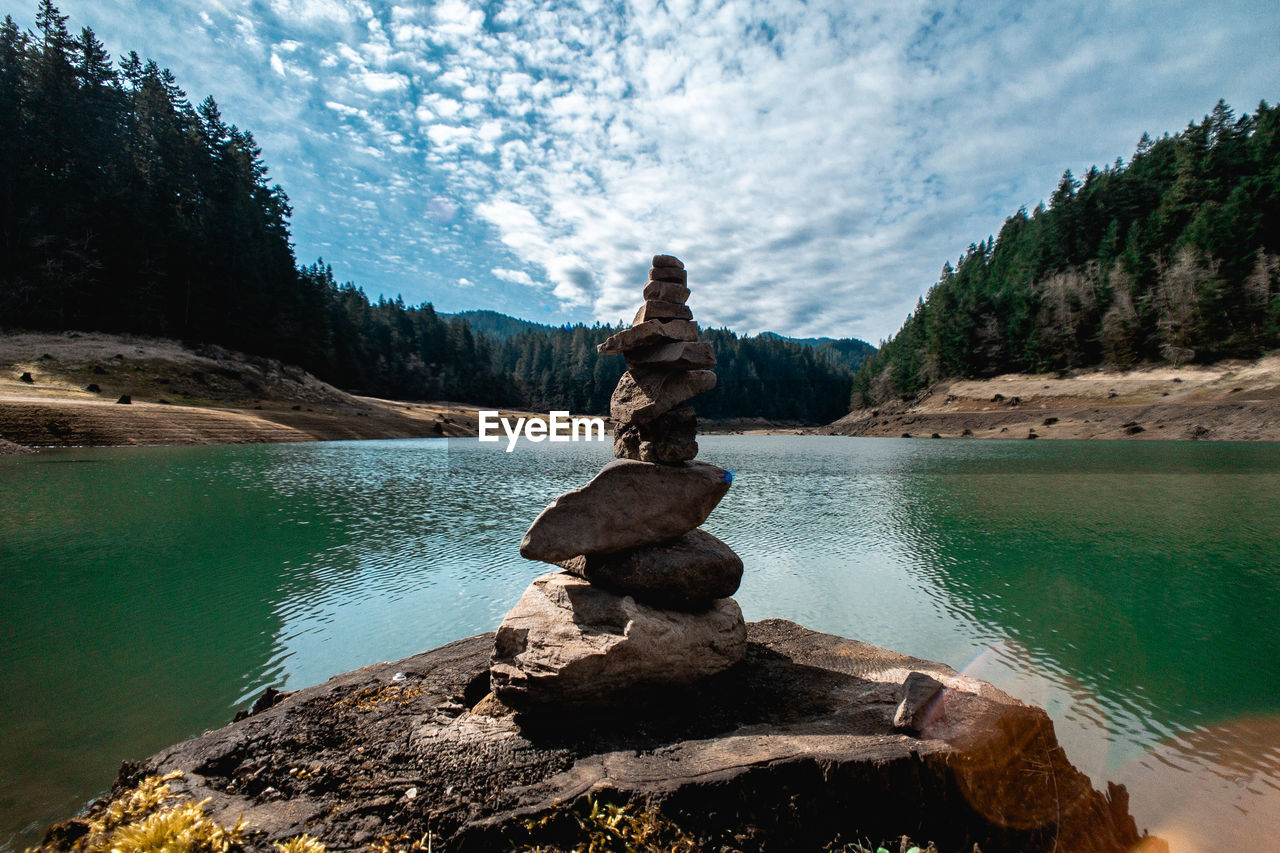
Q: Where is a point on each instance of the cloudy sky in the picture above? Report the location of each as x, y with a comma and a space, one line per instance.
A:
814, 163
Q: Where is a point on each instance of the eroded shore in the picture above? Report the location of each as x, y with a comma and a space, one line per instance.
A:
74, 382
1228, 401
181, 396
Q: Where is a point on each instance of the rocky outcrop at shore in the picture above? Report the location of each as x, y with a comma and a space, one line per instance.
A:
9, 448
793, 748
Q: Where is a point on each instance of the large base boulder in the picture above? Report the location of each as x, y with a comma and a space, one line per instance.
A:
568, 645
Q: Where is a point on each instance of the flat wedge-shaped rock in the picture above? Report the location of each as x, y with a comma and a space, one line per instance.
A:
626, 505
668, 262
567, 644
679, 356
650, 333
644, 393
655, 310
688, 573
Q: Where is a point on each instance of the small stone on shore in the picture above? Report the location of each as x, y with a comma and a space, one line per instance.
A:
918, 694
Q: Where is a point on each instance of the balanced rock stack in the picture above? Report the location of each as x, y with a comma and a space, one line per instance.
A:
644, 598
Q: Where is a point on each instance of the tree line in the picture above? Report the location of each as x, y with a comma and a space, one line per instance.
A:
126, 208
764, 376
1173, 257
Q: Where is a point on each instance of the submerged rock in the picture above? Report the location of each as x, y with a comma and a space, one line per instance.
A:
568, 645
789, 750
626, 505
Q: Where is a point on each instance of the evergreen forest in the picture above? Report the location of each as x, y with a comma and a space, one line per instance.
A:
124, 207
1173, 257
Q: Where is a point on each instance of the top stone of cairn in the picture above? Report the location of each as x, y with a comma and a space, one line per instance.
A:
668, 261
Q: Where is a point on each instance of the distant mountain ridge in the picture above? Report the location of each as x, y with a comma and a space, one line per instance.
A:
849, 352
765, 375
500, 327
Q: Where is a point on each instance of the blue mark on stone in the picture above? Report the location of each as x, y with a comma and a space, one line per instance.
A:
728, 477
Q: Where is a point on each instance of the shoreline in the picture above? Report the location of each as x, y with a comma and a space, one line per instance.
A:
82, 389
1227, 401
67, 390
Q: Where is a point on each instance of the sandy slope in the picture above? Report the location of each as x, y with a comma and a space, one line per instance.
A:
186, 396
1231, 401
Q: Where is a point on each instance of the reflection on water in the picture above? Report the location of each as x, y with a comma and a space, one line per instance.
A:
1128, 588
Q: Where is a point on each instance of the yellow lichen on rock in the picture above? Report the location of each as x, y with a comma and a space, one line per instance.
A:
142, 820
182, 828
299, 844
603, 827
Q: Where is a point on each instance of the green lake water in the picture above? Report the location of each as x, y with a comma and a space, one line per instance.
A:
1130, 588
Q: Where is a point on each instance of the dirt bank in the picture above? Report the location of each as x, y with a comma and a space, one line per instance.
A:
64, 390
1228, 401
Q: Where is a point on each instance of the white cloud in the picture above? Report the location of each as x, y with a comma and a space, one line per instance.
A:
344, 109
377, 81
813, 162
456, 17
448, 137
513, 276
314, 12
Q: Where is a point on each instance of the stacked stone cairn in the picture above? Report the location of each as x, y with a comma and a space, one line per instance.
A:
643, 600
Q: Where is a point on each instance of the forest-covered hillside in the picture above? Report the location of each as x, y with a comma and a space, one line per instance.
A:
1173, 256
768, 375
126, 208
